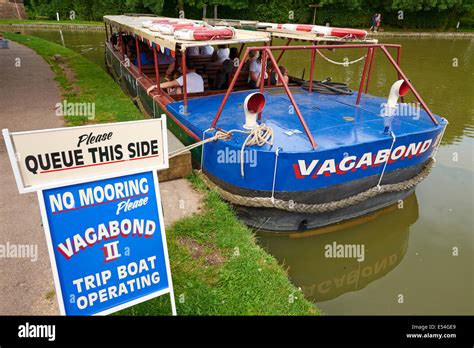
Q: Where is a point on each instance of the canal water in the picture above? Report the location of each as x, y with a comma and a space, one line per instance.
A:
418, 255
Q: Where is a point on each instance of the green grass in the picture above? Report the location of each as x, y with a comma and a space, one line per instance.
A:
91, 84
248, 282
46, 21
231, 274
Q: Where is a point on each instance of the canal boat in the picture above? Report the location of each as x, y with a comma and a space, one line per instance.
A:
292, 155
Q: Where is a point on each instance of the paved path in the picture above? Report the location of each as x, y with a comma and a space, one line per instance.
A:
28, 95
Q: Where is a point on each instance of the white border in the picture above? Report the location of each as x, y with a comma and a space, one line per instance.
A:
19, 180
52, 257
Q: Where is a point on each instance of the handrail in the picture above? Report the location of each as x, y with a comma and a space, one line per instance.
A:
368, 66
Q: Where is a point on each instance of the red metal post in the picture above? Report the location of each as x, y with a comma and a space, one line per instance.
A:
362, 80
372, 58
399, 53
262, 72
262, 76
313, 57
402, 75
122, 48
183, 69
138, 55
293, 102
157, 71
229, 90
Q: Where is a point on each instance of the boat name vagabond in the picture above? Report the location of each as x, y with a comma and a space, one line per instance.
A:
352, 163
104, 232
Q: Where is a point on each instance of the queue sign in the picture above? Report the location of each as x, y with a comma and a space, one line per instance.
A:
100, 203
47, 158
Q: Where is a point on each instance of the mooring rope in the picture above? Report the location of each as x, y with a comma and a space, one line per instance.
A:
270, 202
341, 63
260, 135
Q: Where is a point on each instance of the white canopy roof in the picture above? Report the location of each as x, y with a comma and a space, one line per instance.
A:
132, 24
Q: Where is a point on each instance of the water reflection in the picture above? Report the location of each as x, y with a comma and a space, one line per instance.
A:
322, 278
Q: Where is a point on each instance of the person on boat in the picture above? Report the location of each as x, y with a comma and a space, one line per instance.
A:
194, 81
228, 66
207, 50
284, 72
193, 51
146, 56
130, 49
164, 59
221, 54
255, 69
174, 90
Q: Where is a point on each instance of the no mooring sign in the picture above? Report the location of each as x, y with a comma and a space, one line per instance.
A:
102, 216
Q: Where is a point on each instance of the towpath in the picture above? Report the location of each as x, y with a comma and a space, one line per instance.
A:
28, 95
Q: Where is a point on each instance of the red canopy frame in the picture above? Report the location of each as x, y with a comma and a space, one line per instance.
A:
371, 48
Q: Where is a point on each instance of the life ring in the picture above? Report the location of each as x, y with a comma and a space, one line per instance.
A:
169, 29
347, 33
148, 23
205, 33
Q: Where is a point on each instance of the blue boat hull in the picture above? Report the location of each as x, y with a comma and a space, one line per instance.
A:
353, 154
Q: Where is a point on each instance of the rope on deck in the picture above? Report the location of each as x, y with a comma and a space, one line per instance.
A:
270, 202
260, 135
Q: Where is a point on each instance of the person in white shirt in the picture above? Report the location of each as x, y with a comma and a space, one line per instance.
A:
207, 50
221, 54
194, 81
255, 69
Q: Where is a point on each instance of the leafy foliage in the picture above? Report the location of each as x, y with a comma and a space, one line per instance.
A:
357, 13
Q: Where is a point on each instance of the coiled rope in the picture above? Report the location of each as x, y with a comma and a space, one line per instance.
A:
270, 202
341, 63
260, 135
328, 87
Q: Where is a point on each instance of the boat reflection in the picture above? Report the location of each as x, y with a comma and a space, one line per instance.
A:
384, 235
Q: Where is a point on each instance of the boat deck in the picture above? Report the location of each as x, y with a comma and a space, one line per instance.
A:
334, 120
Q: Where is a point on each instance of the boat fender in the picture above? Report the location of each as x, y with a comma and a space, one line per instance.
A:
253, 104
184, 34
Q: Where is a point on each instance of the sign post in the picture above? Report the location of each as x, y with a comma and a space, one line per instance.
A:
100, 204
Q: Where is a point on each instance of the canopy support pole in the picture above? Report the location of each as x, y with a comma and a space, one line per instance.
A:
311, 72
183, 69
372, 58
138, 55
157, 71
362, 79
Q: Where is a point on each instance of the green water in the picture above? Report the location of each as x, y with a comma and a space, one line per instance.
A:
409, 266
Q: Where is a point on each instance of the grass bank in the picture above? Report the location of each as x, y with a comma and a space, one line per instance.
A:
82, 81
217, 266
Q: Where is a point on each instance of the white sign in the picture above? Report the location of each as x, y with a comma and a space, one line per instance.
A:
54, 157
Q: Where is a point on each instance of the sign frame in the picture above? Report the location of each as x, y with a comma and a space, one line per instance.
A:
57, 284
7, 135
